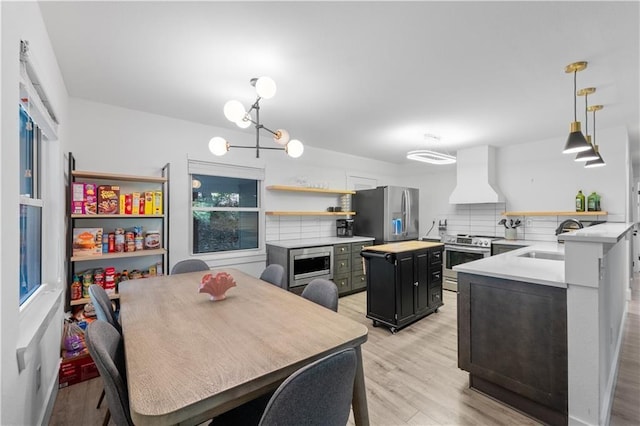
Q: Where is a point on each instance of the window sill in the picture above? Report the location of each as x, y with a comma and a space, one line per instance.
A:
35, 319
231, 259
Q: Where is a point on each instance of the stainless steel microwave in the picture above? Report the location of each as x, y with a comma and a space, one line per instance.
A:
306, 264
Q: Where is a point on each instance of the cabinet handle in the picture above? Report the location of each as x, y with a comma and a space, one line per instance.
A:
437, 276
416, 283
341, 263
362, 279
341, 248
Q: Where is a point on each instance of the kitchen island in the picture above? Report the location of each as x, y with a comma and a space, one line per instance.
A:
540, 327
404, 282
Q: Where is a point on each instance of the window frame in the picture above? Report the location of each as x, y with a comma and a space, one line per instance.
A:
228, 171
32, 200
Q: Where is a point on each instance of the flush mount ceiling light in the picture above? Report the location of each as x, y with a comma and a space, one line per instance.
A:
429, 156
589, 154
599, 162
235, 112
576, 142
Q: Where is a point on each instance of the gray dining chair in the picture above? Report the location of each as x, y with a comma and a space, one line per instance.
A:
317, 394
189, 265
274, 274
323, 292
103, 306
106, 348
104, 312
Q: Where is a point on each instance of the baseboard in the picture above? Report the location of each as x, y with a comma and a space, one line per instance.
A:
51, 402
612, 380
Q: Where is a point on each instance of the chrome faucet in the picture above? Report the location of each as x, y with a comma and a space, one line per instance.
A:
561, 229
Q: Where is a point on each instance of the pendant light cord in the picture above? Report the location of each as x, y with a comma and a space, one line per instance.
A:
586, 114
575, 100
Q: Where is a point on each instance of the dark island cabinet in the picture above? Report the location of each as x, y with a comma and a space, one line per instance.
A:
512, 339
403, 286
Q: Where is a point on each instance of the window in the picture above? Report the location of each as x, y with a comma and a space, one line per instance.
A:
30, 207
225, 206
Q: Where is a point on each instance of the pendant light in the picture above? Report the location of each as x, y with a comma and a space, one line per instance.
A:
589, 154
599, 162
576, 141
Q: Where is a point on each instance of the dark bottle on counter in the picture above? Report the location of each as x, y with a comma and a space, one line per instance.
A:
580, 201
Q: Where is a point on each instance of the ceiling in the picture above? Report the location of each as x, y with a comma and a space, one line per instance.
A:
365, 78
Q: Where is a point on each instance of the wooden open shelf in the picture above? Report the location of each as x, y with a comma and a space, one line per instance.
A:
305, 189
138, 253
308, 213
115, 216
86, 300
559, 213
115, 176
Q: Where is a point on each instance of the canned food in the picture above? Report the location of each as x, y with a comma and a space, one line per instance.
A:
138, 242
110, 280
119, 243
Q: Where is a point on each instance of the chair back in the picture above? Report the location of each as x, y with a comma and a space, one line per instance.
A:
189, 265
317, 394
274, 274
106, 348
323, 292
103, 307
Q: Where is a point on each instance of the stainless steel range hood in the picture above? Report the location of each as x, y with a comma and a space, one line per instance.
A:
476, 177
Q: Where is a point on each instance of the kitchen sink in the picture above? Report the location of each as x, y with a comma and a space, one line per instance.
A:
543, 255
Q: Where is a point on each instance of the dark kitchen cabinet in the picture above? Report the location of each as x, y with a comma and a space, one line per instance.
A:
403, 286
348, 270
512, 339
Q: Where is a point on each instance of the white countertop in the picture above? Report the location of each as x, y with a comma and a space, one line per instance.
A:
513, 267
609, 232
315, 242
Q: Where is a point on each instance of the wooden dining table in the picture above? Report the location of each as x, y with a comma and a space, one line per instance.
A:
189, 359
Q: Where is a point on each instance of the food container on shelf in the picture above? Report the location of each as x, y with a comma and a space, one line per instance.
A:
152, 240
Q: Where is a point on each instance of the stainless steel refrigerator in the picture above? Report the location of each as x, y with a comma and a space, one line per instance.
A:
387, 213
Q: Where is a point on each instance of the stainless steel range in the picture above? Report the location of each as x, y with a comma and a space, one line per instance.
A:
459, 249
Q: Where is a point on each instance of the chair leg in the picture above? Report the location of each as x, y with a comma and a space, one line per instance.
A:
107, 416
100, 400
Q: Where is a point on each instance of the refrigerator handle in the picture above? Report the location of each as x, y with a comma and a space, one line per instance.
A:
406, 210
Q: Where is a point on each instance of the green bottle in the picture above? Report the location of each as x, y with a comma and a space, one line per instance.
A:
592, 202
580, 201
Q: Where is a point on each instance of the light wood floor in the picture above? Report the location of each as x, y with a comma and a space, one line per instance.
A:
412, 377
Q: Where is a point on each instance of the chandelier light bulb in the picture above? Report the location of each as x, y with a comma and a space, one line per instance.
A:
234, 111
281, 137
218, 146
294, 148
265, 87
244, 122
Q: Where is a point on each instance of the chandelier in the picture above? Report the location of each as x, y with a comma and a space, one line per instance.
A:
236, 113
430, 156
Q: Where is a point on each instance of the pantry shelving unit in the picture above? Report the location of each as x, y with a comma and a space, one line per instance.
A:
341, 192
119, 259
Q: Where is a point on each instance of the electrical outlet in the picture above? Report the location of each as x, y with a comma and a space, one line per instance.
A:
529, 222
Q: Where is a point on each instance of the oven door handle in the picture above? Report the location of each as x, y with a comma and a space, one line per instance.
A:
467, 249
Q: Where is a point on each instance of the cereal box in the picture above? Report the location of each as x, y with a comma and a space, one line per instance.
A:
87, 241
135, 203
108, 199
77, 198
128, 200
157, 202
90, 199
148, 202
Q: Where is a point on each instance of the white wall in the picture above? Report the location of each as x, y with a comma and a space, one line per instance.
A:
22, 402
112, 139
533, 177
